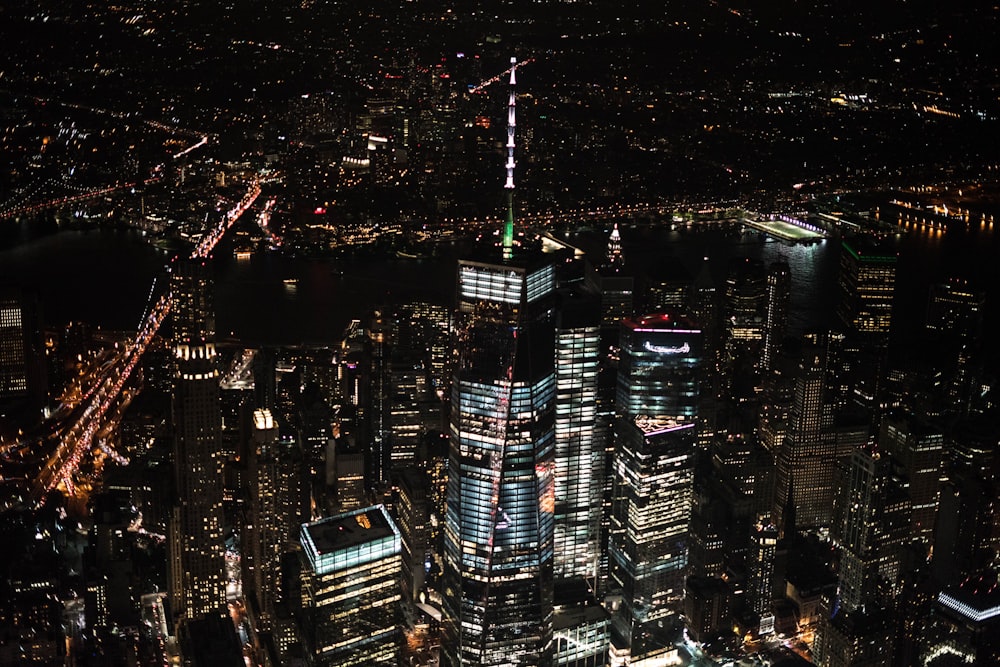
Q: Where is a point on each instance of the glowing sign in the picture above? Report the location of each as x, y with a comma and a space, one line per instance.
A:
663, 349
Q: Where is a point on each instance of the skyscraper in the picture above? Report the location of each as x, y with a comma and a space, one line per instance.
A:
197, 552
658, 368
954, 323
867, 288
955, 309
501, 495
779, 287
498, 538
806, 462
871, 525
655, 442
918, 447
580, 440
872, 522
615, 286
651, 511
763, 544
350, 571
278, 505
22, 366
745, 308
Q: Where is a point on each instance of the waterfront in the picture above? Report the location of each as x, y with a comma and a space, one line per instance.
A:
103, 276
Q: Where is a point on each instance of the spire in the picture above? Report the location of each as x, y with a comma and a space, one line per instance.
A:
615, 258
508, 227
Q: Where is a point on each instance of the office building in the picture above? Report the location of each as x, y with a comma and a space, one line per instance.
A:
867, 289
955, 324
955, 310
746, 301
278, 506
965, 626
413, 509
872, 522
22, 361
760, 575
580, 632
651, 513
805, 463
350, 589
779, 290
917, 446
498, 542
658, 371
615, 286
580, 439
197, 549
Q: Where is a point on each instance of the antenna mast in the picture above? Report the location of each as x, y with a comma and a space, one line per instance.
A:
508, 228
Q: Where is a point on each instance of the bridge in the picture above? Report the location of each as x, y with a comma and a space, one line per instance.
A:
55, 192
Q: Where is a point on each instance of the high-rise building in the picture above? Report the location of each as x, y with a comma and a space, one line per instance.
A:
706, 607
955, 309
745, 307
806, 462
651, 512
580, 439
278, 505
763, 545
580, 632
871, 524
658, 369
498, 543
350, 589
779, 288
197, 549
22, 365
967, 530
867, 289
955, 323
918, 448
498, 538
615, 286
965, 626
414, 511
669, 288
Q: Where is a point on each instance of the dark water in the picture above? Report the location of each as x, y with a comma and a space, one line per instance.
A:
104, 277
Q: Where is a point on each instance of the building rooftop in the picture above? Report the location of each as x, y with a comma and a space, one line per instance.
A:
354, 538
977, 599
666, 321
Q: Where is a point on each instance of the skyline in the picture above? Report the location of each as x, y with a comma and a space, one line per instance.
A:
714, 386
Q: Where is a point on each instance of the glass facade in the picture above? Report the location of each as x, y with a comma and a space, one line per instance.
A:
501, 495
651, 511
658, 367
351, 569
867, 285
579, 453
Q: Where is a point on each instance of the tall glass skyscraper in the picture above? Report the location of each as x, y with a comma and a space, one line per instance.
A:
658, 368
650, 515
501, 498
655, 443
350, 581
580, 439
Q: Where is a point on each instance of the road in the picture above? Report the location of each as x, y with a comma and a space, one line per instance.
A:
101, 404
